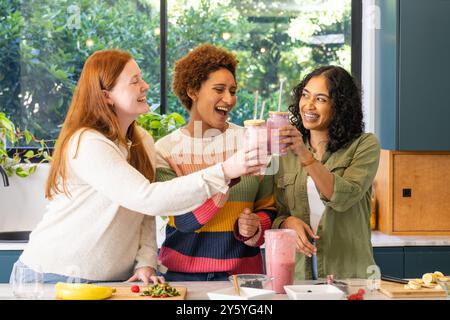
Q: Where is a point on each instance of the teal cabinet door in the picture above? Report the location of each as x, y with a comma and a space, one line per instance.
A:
390, 260
420, 260
423, 83
411, 76
7, 260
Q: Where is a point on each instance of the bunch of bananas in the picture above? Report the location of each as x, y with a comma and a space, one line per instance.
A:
82, 291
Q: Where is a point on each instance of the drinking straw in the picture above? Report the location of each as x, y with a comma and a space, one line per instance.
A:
255, 108
279, 96
261, 116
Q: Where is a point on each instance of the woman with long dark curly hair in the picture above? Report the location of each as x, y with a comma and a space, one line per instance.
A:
323, 186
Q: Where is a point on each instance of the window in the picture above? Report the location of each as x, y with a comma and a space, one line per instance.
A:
44, 43
274, 40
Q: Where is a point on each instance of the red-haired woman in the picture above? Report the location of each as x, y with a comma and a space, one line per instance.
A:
100, 224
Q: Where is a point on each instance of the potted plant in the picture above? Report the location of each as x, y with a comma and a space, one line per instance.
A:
160, 125
20, 160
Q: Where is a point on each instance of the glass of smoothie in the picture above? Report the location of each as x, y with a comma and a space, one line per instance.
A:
256, 135
277, 119
280, 257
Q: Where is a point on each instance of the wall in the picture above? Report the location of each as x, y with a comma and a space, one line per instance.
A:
23, 204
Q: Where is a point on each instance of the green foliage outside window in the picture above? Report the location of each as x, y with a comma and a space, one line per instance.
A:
44, 43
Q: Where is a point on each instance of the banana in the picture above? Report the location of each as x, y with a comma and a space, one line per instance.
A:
413, 285
82, 291
436, 275
427, 278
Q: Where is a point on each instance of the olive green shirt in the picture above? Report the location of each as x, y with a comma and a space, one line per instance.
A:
344, 248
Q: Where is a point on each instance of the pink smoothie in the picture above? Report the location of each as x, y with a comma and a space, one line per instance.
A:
283, 274
276, 120
280, 257
256, 135
255, 132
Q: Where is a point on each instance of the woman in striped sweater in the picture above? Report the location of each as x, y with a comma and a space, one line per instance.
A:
222, 236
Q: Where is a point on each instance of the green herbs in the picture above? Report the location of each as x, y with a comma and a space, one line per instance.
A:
161, 290
160, 125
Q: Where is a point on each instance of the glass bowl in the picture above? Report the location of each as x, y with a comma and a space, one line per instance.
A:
445, 285
250, 280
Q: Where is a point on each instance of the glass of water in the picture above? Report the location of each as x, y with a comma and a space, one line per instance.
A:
27, 283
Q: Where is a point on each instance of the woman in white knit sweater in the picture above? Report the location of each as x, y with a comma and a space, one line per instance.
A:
100, 224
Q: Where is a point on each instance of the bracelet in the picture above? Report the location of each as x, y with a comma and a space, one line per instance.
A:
308, 162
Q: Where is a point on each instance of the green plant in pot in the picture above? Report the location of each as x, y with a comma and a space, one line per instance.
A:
20, 161
159, 125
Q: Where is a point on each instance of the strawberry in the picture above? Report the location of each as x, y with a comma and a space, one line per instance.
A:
355, 296
135, 289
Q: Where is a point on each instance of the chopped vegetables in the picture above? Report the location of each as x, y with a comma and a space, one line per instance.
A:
161, 290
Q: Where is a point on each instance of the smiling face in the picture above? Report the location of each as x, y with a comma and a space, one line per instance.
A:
214, 100
129, 94
316, 105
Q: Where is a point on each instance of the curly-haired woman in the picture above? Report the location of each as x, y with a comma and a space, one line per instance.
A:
223, 236
323, 187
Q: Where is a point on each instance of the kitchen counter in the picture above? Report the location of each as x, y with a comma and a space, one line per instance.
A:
379, 239
197, 290
5, 246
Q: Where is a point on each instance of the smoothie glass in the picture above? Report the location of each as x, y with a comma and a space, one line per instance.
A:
280, 257
277, 119
256, 135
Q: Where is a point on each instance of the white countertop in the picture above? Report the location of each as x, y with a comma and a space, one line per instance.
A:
378, 240
197, 290
4, 246
384, 240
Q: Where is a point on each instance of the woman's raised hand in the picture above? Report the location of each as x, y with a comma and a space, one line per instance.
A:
247, 161
293, 138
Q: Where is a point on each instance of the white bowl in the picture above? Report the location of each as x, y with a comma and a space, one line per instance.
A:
246, 294
314, 292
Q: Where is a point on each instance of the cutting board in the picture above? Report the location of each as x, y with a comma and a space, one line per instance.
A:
124, 293
397, 290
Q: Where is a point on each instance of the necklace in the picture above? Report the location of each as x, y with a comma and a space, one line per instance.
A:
314, 151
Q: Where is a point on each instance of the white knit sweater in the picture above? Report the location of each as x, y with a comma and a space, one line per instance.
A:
99, 232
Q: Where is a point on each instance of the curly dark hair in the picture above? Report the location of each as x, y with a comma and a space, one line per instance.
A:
347, 115
194, 68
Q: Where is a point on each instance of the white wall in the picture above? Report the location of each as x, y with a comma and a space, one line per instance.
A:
23, 203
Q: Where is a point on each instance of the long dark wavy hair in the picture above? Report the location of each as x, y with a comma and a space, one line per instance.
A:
347, 115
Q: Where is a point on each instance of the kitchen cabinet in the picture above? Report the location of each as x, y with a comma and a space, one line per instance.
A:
7, 260
412, 262
420, 260
412, 193
391, 260
412, 50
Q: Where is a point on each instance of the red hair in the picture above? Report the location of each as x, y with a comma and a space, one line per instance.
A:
89, 110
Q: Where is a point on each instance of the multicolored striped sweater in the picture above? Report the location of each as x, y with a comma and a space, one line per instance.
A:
207, 239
